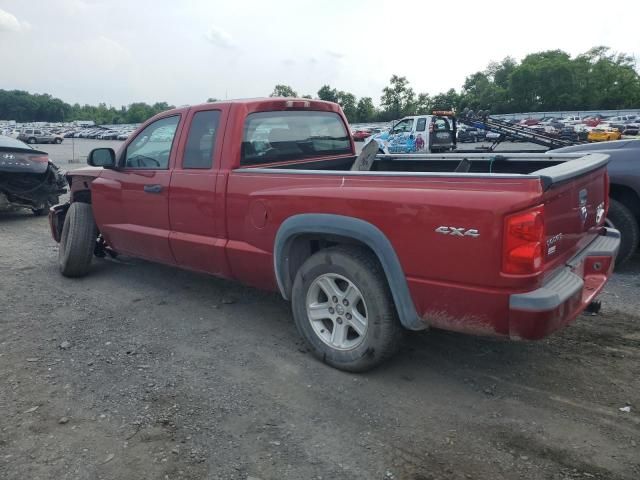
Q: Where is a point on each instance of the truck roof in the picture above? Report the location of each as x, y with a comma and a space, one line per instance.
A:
271, 103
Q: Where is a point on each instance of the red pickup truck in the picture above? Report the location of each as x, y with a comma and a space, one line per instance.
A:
263, 192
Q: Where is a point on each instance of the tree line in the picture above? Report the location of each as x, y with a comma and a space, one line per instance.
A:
545, 81
23, 107
598, 79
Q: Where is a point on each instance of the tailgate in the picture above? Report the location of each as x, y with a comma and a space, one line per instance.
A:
574, 212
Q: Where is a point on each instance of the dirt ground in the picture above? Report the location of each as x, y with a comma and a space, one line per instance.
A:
140, 371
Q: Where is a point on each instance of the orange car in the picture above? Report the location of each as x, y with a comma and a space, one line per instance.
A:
602, 135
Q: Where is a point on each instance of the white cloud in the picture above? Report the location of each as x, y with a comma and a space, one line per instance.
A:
9, 23
335, 54
105, 52
219, 38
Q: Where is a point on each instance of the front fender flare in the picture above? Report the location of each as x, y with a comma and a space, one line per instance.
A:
360, 230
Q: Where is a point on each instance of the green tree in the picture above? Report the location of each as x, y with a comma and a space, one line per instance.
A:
283, 91
365, 111
423, 104
446, 101
348, 103
397, 99
328, 94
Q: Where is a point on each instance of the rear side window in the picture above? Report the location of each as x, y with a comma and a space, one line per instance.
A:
440, 124
277, 136
198, 152
422, 123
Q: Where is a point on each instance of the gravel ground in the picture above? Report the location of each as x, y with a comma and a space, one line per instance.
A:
143, 371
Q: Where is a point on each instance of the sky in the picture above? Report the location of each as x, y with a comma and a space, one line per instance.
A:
185, 51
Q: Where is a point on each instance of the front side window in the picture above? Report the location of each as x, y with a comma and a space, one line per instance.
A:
152, 146
277, 136
403, 126
198, 152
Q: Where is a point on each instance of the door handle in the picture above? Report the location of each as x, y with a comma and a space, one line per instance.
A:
155, 188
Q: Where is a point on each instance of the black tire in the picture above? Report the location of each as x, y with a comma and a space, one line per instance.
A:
622, 219
78, 241
58, 141
384, 332
31, 140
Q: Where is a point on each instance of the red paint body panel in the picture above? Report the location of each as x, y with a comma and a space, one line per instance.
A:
198, 236
224, 222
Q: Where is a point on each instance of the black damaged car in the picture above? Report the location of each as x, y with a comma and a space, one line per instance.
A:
28, 179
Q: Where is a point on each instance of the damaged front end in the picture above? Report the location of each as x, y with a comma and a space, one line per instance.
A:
29, 180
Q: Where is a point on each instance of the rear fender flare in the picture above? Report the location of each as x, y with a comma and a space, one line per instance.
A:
359, 230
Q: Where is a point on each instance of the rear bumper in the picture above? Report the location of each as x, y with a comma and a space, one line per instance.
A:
534, 315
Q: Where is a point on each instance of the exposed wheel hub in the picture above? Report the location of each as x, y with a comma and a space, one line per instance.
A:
337, 311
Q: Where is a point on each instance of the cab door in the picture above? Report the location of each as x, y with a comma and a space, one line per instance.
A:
400, 138
196, 209
421, 134
131, 202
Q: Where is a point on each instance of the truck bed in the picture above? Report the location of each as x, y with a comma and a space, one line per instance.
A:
549, 168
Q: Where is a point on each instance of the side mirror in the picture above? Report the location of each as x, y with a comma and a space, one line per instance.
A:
102, 157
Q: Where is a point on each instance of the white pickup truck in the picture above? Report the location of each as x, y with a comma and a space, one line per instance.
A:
418, 133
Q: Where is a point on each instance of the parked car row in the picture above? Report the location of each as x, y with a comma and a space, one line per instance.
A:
37, 135
361, 134
34, 135
101, 133
467, 134
625, 124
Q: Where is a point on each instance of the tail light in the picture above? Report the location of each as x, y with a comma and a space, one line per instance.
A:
43, 159
297, 104
523, 242
431, 128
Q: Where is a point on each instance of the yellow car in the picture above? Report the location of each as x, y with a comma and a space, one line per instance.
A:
602, 135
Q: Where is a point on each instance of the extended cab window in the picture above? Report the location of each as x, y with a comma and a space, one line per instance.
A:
198, 152
152, 146
421, 125
276, 136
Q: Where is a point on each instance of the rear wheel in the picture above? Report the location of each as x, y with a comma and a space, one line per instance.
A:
343, 308
622, 219
58, 141
78, 241
31, 140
